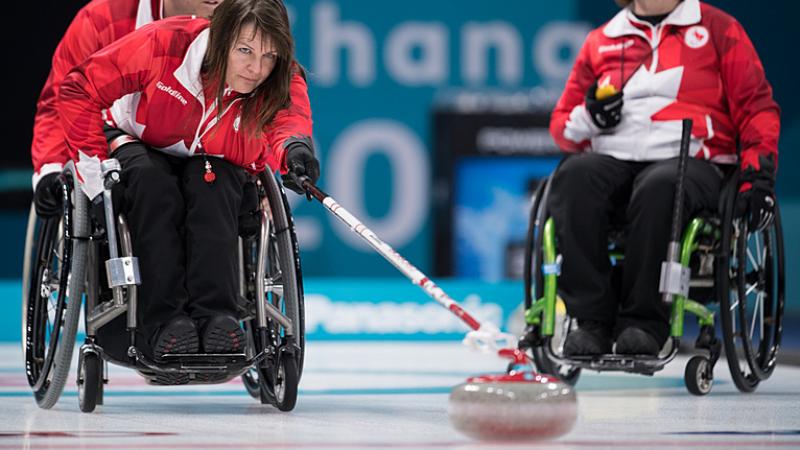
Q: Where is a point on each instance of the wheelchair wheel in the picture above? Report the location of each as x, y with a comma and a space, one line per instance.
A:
90, 381
53, 283
697, 376
751, 295
251, 384
534, 290
535, 222
285, 383
275, 380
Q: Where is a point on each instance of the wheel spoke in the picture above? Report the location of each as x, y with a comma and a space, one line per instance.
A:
762, 295
757, 239
735, 301
751, 258
756, 308
733, 306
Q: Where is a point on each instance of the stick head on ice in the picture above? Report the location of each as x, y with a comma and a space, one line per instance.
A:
519, 406
489, 339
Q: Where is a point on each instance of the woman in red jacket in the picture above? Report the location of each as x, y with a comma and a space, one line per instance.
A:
196, 105
656, 62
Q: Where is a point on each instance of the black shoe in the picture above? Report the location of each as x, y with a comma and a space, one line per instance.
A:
635, 341
222, 334
591, 338
179, 335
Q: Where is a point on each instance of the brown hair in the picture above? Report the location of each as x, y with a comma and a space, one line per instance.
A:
623, 3
270, 18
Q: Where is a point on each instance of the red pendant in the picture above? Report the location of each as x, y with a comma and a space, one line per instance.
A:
209, 176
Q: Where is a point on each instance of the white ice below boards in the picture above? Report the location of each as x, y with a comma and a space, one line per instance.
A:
362, 395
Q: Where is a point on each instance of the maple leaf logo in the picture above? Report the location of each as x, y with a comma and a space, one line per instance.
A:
654, 96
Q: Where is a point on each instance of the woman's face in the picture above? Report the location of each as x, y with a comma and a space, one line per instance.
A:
250, 60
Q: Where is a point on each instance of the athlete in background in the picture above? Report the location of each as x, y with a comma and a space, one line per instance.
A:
654, 63
96, 25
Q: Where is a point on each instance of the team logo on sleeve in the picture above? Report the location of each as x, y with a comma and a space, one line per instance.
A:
696, 36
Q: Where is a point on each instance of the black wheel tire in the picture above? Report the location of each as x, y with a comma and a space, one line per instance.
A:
751, 358
534, 284
534, 224
48, 359
545, 365
90, 381
285, 386
289, 254
250, 381
695, 376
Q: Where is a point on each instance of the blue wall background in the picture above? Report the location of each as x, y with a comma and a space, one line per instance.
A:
375, 69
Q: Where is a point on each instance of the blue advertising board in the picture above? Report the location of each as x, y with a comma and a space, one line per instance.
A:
362, 309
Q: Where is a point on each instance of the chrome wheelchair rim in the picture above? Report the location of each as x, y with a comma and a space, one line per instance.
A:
50, 291
755, 303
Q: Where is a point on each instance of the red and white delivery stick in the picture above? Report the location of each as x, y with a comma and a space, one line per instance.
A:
485, 337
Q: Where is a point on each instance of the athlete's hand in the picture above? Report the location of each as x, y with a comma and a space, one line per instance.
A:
301, 162
47, 196
605, 112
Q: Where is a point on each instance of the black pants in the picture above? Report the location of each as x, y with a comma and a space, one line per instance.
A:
184, 232
587, 191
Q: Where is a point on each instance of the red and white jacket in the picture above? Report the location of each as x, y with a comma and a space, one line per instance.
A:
96, 25
152, 78
697, 63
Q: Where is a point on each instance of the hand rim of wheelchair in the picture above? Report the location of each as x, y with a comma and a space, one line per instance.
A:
37, 368
749, 364
47, 374
263, 381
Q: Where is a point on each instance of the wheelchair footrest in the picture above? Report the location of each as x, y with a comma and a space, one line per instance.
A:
205, 362
201, 368
194, 362
641, 364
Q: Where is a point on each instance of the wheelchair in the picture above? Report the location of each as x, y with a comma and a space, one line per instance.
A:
725, 266
67, 257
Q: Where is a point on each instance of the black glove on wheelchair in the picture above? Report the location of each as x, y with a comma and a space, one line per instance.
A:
605, 112
47, 196
249, 214
756, 197
301, 161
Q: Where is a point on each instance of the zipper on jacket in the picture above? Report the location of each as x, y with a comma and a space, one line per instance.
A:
198, 134
657, 34
203, 118
215, 120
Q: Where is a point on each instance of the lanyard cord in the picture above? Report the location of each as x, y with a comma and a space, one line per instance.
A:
623, 80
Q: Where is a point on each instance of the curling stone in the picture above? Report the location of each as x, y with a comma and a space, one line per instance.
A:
521, 405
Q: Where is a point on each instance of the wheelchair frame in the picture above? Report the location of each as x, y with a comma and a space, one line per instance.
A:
271, 302
730, 255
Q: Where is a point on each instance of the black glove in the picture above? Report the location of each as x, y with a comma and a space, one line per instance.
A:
756, 197
300, 161
47, 196
605, 113
249, 213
